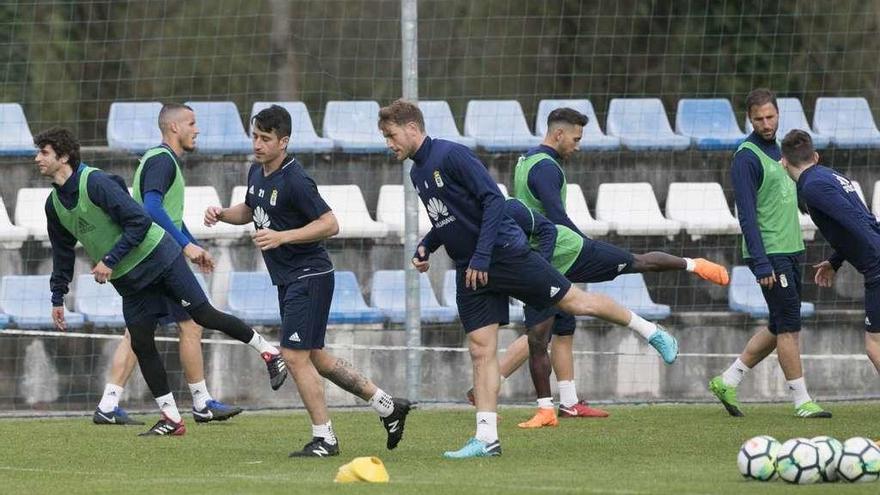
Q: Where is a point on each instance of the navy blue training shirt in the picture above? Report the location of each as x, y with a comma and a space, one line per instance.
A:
533, 224
109, 193
288, 199
843, 219
156, 178
545, 182
464, 204
747, 174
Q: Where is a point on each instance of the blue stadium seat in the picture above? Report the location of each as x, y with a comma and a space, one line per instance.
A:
641, 124
27, 301
792, 116
439, 123
99, 303
133, 126
594, 138
847, 121
253, 298
352, 126
220, 129
388, 294
15, 135
630, 291
4, 320
348, 302
744, 295
499, 125
710, 123
515, 310
303, 138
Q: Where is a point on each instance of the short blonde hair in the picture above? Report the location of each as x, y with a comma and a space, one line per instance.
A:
401, 112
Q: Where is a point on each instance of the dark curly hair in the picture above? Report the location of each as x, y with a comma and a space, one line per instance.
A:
62, 141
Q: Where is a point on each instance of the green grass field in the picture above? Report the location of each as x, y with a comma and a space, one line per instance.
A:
681, 449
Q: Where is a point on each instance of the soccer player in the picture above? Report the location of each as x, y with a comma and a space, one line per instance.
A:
493, 260
291, 221
773, 247
845, 222
137, 256
581, 260
159, 186
539, 182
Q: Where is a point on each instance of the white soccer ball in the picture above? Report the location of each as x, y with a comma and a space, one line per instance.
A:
829, 456
798, 461
757, 458
860, 460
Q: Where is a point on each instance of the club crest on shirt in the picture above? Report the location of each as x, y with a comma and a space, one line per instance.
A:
437, 179
274, 197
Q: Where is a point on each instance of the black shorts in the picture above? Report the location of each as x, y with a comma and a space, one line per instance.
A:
526, 276
563, 323
599, 262
175, 285
305, 307
872, 307
784, 299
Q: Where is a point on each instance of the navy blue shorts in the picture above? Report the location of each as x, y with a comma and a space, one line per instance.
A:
599, 262
305, 307
174, 314
176, 285
784, 299
563, 323
527, 277
872, 307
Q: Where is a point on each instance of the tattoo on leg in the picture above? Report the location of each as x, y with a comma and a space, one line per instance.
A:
346, 377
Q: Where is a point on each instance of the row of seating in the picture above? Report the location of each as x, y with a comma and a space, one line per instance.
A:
493, 125
24, 300
700, 208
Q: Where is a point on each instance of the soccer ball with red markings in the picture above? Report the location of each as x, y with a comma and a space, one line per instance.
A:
757, 458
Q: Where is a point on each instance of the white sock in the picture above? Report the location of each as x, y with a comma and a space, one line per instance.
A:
382, 403
691, 264
798, 390
545, 402
733, 375
260, 344
568, 395
200, 395
641, 326
325, 431
487, 427
169, 407
110, 399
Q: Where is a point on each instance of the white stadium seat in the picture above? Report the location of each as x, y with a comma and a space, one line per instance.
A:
390, 210
11, 236
579, 213
30, 211
630, 208
701, 208
350, 209
196, 200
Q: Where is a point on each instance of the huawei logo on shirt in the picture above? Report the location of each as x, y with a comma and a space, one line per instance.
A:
261, 218
437, 210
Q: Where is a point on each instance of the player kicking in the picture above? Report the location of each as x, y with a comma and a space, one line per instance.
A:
493, 260
292, 220
582, 260
159, 186
140, 259
845, 222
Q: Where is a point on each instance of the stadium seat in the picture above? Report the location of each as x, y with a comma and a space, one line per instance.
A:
847, 121
352, 126
348, 305
515, 309
439, 123
4, 320
134, 126
30, 211
579, 213
630, 208
303, 138
710, 123
808, 228
238, 196
499, 125
15, 135
27, 301
630, 290
744, 295
390, 210
388, 294
701, 208
196, 199
792, 116
350, 209
594, 139
11, 236
220, 129
99, 303
253, 298
642, 124
858, 188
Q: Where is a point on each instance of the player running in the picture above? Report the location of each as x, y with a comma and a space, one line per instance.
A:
291, 221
